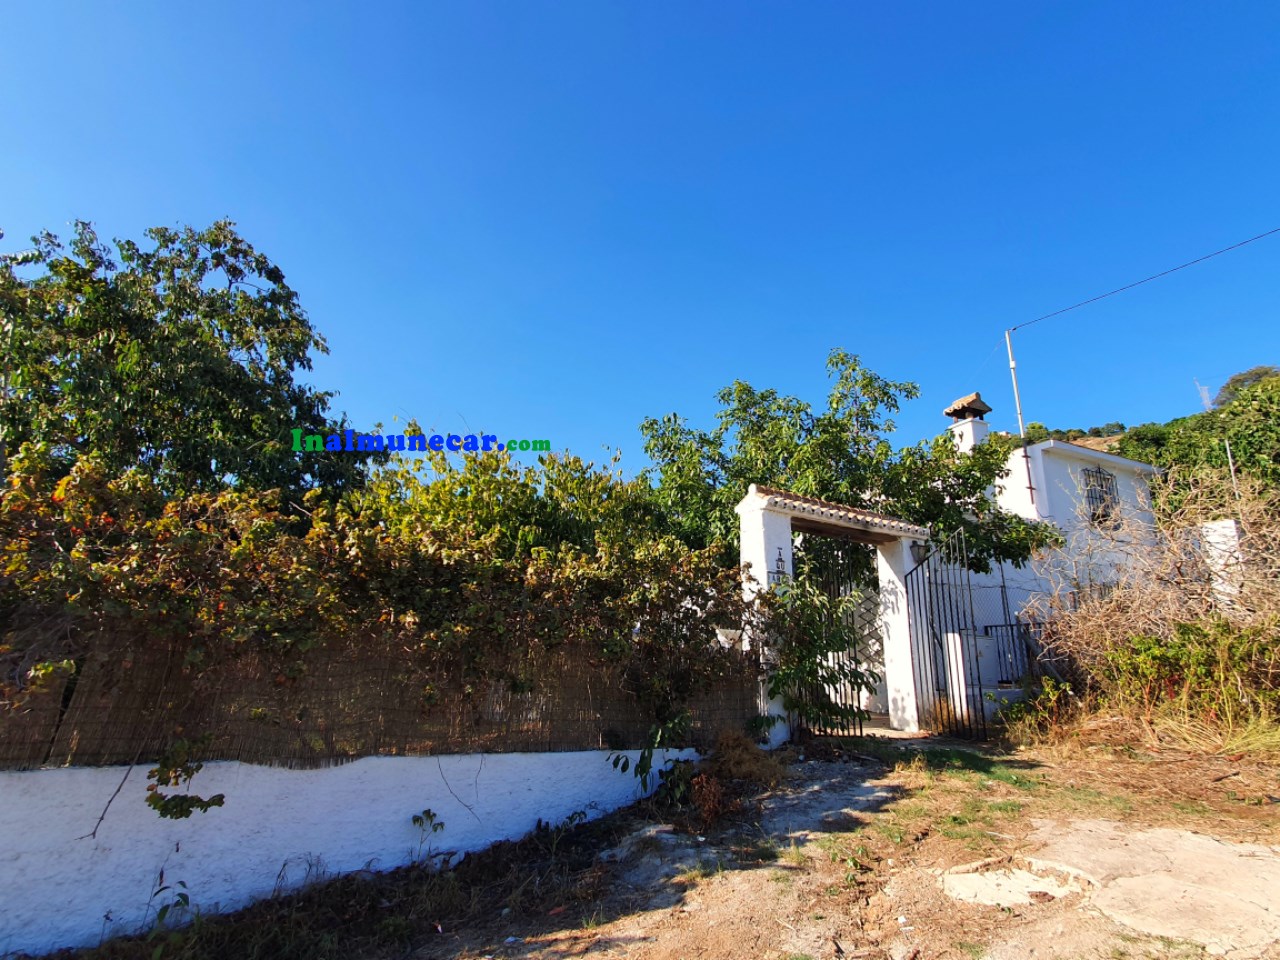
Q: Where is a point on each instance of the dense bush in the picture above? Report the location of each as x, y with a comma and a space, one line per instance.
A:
1211, 669
91, 561
1187, 638
1249, 422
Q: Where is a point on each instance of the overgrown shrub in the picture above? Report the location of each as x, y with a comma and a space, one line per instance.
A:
810, 633
99, 567
1213, 669
1186, 635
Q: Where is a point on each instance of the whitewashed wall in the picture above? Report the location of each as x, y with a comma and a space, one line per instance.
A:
1088, 554
61, 888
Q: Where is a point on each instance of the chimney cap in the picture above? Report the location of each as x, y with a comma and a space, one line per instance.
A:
967, 408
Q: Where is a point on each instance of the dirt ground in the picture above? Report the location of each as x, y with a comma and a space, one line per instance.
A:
925, 850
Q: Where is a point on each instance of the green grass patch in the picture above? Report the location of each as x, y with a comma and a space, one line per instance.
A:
1005, 808
795, 855
1095, 799
890, 831
701, 871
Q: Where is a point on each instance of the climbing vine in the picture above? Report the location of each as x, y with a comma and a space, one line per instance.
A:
211, 579
177, 767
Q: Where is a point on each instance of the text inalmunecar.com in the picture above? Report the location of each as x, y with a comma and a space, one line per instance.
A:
351, 441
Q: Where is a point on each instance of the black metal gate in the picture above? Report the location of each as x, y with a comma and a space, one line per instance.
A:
842, 568
944, 642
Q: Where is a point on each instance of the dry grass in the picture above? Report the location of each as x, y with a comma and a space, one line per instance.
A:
550, 878
1258, 735
738, 757
941, 714
1183, 643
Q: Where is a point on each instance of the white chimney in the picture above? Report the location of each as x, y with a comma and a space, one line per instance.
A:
967, 424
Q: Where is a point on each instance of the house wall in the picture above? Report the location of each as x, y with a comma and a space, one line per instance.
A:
1088, 554
278, 828
1063, 484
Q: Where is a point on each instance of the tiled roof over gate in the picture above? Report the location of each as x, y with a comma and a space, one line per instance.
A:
825, 512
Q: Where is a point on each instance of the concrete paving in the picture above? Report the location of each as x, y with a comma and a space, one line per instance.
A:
1170, 883
1003, 888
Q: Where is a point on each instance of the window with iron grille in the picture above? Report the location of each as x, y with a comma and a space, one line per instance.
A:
1101, 499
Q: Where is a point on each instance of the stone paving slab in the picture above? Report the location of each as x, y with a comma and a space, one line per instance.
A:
1171, 883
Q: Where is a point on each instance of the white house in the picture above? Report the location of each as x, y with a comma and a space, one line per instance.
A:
951, 644
1101, 504
1098, 500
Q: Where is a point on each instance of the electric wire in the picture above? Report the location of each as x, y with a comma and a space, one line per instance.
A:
1138, 283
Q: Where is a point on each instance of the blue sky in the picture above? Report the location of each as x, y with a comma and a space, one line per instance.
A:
552, 220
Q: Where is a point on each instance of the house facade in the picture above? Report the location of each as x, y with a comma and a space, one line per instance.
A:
1101, 505
950, 645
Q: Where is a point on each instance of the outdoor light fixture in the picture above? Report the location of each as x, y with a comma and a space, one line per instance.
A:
919, 552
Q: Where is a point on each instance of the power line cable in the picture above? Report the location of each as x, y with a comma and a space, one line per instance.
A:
1008, 334
1138, 283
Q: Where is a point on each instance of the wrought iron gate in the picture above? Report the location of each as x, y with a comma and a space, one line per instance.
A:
944, 642
842, 568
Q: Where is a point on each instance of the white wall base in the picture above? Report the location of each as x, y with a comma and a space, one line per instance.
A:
60, 888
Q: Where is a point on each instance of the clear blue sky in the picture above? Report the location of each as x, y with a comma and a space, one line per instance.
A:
553, 219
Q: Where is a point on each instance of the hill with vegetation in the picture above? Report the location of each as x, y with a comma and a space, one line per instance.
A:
1241, 432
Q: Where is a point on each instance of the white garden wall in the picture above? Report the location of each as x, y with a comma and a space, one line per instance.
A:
60, 888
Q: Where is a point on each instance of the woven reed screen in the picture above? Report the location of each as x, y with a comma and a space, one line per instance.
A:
341, 705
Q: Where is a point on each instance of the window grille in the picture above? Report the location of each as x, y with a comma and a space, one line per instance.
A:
1101, 499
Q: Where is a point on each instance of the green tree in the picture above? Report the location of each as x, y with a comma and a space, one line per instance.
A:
839, 453
1037, 431
1112, 429
181, 360
1246, 378
1250, 423
560, 501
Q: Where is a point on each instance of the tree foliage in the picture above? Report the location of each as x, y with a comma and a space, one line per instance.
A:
840, 453
811, 633
100, 564
1037, 432
1240, 381
1250, 423
181, 360
561, 500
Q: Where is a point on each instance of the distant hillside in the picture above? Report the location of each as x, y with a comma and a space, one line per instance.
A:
1038, 431
1249, 420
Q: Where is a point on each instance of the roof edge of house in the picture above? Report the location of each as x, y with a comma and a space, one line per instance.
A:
1069, 449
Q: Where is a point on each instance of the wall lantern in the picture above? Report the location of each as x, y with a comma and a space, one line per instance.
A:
919, 552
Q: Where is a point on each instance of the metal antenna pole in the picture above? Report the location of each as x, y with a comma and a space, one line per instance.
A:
1013, 372
1017, 402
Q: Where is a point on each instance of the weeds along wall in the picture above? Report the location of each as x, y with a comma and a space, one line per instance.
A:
67, 879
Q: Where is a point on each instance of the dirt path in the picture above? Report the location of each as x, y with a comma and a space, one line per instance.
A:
950, 854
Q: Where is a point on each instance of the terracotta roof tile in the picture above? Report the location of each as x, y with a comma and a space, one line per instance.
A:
839, 512
971, 402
